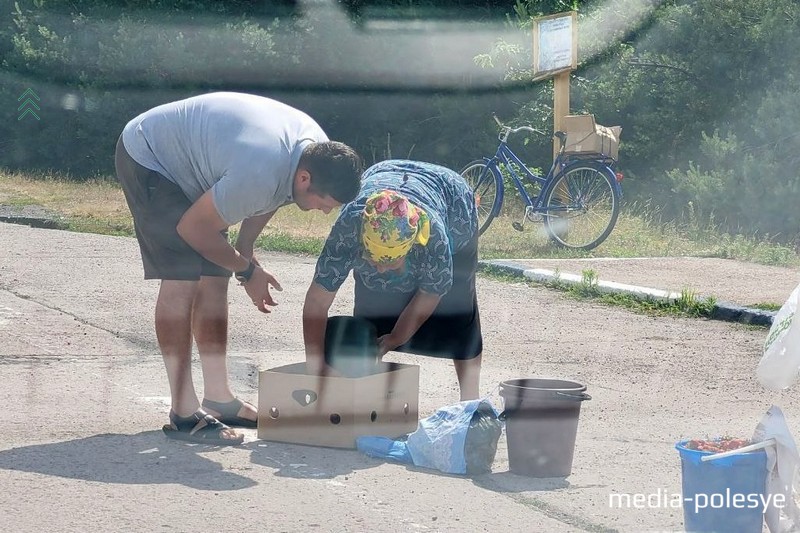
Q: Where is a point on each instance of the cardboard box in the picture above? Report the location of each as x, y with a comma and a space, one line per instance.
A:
332, 411
584, 135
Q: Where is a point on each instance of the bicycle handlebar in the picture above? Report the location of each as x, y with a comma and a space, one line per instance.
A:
508, 129
505, 131
527, 128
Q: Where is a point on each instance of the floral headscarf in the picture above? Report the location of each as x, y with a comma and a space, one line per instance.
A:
391, 225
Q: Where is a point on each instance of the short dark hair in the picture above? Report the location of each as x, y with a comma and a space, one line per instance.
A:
335, 170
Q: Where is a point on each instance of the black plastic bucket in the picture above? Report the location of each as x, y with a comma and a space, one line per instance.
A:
351, 345
541, 424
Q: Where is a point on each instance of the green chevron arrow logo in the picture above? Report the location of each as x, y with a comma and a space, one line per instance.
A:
28, 104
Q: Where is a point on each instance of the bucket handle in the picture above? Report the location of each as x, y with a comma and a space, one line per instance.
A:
581, 397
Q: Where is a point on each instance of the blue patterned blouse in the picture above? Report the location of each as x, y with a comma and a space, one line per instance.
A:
441, 193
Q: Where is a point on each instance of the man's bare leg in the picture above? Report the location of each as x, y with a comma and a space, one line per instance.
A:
210, 329
174, 333
469, 377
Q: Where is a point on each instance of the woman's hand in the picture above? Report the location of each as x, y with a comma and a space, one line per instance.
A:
317, 366
418, 310
387, 343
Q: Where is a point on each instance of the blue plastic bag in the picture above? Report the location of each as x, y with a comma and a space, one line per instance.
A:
440, 441
384, 448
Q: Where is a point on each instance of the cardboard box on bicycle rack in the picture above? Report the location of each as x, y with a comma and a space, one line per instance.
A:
299, 408
585, 136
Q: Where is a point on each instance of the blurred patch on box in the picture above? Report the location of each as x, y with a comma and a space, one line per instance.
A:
351, 345
333, 411
585, 136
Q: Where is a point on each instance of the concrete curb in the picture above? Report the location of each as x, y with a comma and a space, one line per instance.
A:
30, 215
722, 310
45, 223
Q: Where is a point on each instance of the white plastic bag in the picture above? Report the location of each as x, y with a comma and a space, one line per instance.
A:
780, 363
782, 472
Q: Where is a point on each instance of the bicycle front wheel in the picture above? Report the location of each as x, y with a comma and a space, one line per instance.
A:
581, 206
487, 190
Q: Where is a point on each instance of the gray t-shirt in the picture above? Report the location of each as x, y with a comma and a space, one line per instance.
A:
244, 148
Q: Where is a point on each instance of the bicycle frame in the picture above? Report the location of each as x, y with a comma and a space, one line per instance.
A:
507, 158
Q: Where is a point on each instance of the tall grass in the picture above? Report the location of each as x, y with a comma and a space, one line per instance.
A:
98, 206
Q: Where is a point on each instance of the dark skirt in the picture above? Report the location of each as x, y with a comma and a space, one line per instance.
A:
453, 331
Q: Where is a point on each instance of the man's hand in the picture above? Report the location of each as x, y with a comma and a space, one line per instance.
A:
258, 286
244, 250
247, 253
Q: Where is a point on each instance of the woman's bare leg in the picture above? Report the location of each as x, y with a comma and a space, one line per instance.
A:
468, 372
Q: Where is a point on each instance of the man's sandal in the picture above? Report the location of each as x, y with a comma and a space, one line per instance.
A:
201, 428
229, 413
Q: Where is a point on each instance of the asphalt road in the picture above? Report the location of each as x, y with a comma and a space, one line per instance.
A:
86, 394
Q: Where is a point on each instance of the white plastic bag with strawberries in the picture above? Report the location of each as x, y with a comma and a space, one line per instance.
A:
780, 363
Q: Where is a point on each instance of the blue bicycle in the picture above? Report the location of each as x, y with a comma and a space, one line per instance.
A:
578, 199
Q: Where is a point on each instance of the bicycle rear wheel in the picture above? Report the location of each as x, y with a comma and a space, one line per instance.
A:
487, 188
581, 206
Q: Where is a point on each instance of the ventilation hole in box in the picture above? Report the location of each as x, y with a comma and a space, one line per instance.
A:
335, 419
373, 416
273, 412
405, 409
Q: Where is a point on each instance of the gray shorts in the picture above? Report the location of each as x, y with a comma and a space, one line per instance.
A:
157, 206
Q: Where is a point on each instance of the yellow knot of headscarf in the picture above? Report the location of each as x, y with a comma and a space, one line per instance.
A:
391, 225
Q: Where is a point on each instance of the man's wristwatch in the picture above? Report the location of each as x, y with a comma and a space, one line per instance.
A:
245, 275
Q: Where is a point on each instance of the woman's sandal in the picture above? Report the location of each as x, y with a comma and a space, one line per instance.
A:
201, 427
229, 413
